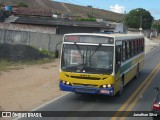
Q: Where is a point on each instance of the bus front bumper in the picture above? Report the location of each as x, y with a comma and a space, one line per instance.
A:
85, 89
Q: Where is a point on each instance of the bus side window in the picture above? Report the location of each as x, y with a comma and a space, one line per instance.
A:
118, 54
143, 45
135, 47
123, 52
126, 50
138, 46
132, 48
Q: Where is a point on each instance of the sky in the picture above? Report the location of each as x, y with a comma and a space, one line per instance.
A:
121, 6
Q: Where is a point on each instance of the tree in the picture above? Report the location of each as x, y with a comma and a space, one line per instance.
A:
137, 18
156, 26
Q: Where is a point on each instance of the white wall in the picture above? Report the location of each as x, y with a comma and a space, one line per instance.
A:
118, 28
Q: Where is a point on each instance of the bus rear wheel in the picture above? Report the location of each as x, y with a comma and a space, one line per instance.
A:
121, 89
137, 72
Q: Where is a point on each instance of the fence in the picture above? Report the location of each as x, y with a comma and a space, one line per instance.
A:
146, 33
38, 40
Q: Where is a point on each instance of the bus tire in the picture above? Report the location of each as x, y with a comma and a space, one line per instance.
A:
120, 92
137, 72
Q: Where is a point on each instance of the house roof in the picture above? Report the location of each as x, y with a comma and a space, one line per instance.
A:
34, 12
47, 7
58, 22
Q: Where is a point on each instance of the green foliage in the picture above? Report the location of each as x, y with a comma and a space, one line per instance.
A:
86, 19
156, 26
90, 15
22, 4
47, 53
56, 13
138, 16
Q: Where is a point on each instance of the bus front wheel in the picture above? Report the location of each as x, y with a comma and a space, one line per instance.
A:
121, 89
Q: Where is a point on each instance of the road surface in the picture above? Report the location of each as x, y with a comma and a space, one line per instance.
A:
138, 96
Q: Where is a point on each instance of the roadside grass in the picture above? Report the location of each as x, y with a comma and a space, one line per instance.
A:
6, 65
20, 56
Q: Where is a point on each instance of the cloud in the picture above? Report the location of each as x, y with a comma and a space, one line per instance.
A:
117, 8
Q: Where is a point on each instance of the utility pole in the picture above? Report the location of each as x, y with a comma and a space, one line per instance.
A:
140, 27
140, 22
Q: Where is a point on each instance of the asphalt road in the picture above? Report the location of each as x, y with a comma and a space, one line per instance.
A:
138, 96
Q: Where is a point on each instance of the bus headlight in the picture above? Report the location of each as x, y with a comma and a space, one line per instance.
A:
67, 83
106, 86
63, 82
109, 85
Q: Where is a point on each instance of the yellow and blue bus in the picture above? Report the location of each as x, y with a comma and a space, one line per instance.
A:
100, 63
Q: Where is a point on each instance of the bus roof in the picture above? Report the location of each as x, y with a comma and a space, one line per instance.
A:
116, 36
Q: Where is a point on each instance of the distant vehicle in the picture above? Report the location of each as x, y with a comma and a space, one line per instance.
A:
156, 104
100, 63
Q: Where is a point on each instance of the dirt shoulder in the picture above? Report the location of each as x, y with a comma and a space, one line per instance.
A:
29, 87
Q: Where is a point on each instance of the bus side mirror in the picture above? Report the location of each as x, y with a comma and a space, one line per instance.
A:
156, 88
56, 53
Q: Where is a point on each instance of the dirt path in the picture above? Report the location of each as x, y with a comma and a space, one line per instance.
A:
30, 87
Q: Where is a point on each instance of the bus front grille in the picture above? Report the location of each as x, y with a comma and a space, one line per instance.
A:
88, 85
88, 78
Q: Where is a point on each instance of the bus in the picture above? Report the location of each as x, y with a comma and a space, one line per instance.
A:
100, 63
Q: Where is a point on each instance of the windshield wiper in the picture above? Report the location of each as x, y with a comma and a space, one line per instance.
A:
79, 50
93, 53
96, 49
82, 55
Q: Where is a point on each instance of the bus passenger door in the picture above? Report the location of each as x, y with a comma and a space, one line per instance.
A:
117, 68
117, 60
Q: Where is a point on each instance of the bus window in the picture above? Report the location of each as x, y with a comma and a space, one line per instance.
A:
140, 45
123, 52
132, 48
118, 54
128, 49
118, 58
143, 45
135, 47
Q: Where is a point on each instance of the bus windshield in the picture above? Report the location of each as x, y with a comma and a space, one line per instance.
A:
87, 59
